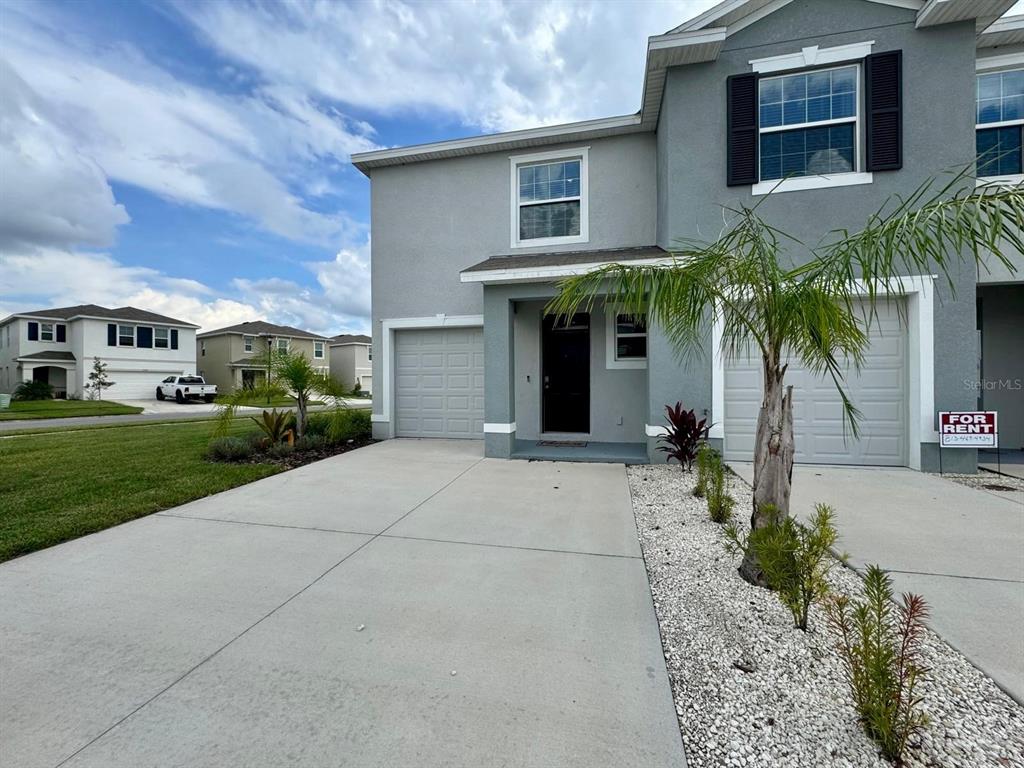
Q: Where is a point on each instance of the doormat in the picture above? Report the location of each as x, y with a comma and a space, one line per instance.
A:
564, 443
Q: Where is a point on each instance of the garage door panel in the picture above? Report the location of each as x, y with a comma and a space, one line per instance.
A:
439, 383
878, 390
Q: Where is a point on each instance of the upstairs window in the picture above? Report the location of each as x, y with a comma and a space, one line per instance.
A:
318, 350
369, 352
1000, 120
549, 198
161, 338
202, 348
126, 335
247, 341
282, 346
809, 123
46, 331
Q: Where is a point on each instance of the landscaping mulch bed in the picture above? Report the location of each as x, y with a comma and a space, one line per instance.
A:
988, 481
752, 690
298, 458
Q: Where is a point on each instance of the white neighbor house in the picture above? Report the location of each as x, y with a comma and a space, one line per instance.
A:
351, 360
58, 346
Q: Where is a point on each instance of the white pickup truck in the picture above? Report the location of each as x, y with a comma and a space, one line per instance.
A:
183, 388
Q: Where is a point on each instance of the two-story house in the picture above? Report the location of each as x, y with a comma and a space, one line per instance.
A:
236, 356
59, 345
351, 360
832, 106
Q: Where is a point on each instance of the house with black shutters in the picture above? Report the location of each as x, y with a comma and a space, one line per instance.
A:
820, 110
59, 345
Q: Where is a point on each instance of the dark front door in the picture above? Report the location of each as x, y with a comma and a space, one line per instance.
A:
566, 374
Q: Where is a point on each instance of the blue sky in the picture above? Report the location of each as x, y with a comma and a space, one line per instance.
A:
192, 158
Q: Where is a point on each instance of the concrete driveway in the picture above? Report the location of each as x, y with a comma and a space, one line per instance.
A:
962, 548
406, 604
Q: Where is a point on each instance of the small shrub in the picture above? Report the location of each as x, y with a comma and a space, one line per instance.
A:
280, 450
684, 437
33, 390
796, 558
881, 655
310, 442
275, 424
317, 424
229, 449
706, 456
720, 503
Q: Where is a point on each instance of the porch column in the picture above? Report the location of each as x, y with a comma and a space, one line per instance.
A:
499, 368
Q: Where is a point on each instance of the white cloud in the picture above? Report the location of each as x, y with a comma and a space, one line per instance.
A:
112, 109
496, 66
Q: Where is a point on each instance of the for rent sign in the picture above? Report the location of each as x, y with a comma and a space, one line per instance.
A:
968, 429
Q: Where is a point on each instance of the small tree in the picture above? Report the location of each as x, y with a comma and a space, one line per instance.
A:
782, 299
98, 380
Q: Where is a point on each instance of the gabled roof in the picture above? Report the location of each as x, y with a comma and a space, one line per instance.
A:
262, 328
350, 338
696, 40
131, 314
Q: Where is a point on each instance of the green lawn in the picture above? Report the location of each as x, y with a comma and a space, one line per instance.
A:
261, 402
59, 409
55, 487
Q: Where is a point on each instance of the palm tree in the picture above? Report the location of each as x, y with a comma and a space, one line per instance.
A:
781, 298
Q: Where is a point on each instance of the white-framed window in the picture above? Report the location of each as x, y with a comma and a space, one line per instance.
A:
247, 341
161, 338
810, 123
550, 198
46, 332
126, 335
202, 348
369, 352
999, 123
318, 350
626, 339
282, 346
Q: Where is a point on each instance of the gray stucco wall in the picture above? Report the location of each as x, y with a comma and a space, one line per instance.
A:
431, 220
938, 135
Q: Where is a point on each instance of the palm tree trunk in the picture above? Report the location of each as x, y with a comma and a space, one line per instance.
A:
773, 460
300, 416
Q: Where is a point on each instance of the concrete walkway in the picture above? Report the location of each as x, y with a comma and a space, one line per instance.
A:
406, 604
963, 549
156, 411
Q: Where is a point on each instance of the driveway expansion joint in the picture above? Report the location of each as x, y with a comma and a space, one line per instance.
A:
955, 576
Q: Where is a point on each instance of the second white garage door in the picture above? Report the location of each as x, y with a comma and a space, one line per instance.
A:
439, 382
879, 391
135, 385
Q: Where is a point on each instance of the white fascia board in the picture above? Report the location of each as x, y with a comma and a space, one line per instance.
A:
682, 39
568, 130
121, 320
542, 274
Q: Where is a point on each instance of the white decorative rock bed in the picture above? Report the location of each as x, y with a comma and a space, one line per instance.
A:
794, 707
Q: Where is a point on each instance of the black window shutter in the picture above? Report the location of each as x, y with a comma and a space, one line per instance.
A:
742, 129
883, 100
174, 338
33, 331
111, 335
144, 337
62, 332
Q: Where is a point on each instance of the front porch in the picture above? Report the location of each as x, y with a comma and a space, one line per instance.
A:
583, 451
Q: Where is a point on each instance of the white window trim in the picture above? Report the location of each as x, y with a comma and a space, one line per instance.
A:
611, 361
1007, 63
166, 338
321, 355
920, 295
821, 181
812, 56
134, 338
53, 333
248, 343
583, 153
800, 183
388, 328
287, 344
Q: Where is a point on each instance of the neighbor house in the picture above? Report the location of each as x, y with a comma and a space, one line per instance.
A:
236, 356
351, 361
59, 345
836, 105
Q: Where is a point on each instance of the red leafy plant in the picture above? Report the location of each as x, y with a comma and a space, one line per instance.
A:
880, 645
685, 435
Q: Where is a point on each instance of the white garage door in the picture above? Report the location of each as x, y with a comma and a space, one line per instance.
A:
439, 382
135, 385
879, 391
